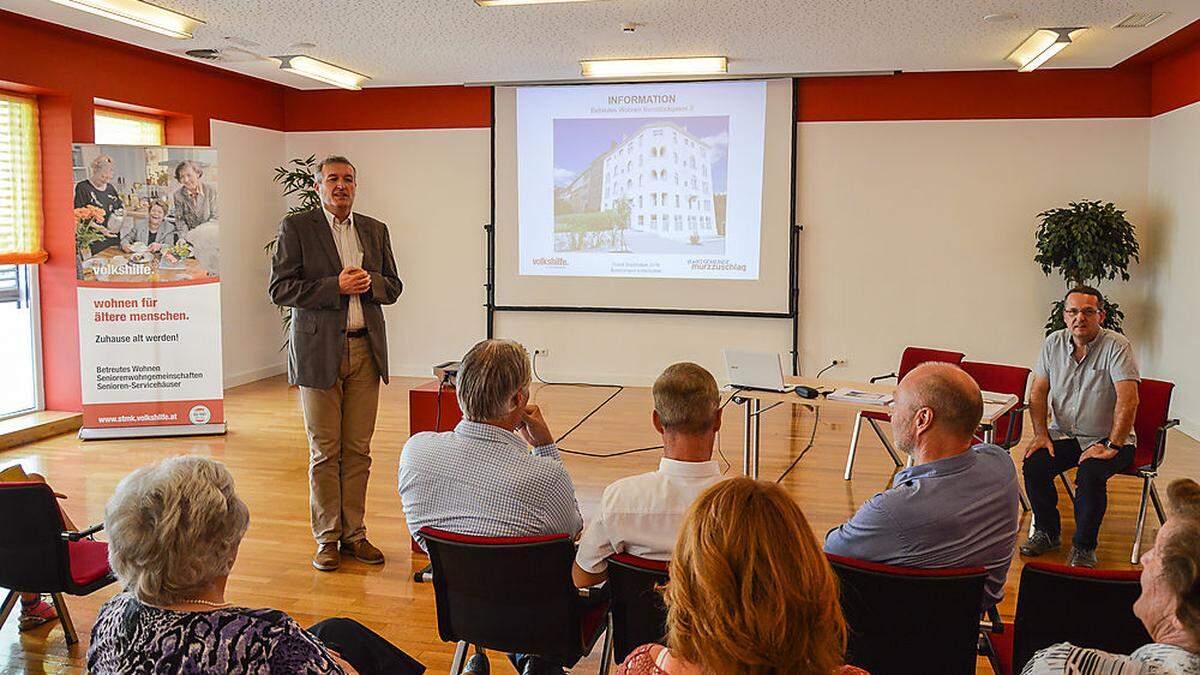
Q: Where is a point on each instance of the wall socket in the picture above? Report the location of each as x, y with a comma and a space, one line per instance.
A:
541, 351
838, 361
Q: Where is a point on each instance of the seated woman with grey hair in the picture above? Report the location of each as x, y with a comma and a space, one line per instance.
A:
155, 232
174, 529
1169, 606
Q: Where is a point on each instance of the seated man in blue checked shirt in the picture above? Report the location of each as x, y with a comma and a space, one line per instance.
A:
482, 479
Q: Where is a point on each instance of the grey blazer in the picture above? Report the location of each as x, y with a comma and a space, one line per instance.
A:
167, 234
304, 276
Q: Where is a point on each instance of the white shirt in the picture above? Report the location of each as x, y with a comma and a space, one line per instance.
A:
641, 514
349, 249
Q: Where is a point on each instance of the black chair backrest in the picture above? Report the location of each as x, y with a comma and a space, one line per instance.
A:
511, 594
1088, 608
32, 551
902, 620
639, 616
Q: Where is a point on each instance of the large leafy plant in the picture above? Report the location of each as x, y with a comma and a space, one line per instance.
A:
296, 177
1086, 243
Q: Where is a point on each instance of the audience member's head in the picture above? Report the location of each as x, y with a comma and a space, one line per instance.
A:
493, 383
750, 589
1170, 602
1083, 312
174, 529
686, 404
937, 405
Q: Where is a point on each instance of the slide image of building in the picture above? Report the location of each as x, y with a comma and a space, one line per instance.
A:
643, 185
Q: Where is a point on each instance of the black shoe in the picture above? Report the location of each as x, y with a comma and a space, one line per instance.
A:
528, 664
1040, 542
477, 665
1082, 557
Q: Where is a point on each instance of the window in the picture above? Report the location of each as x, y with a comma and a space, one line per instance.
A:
641, 219
20, 244
122, 128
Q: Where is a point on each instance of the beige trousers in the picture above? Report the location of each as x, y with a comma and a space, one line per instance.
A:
340, 421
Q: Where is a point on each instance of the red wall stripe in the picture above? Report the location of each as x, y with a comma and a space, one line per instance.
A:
1116, 92
449, 107
1175, 80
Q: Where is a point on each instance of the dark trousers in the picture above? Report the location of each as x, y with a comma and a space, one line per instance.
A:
364, 649
1091, 488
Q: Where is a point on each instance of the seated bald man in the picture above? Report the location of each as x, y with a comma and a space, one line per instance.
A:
957, 505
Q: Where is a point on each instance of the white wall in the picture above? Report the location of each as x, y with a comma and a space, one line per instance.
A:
922, 233
433, 189
251, 206
915, 233
1172, 245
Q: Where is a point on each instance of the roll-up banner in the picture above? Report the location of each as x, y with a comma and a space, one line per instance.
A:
147, 261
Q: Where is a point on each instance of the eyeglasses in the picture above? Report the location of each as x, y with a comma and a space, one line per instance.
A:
1089, 312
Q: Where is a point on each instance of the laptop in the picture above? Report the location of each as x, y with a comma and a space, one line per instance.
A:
754, 370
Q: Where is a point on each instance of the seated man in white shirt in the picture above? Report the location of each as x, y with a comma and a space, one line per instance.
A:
641, 514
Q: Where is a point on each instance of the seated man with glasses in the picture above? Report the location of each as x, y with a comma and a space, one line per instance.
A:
1087, 379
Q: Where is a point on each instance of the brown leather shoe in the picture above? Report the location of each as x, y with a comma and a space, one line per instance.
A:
327, 558
364, 551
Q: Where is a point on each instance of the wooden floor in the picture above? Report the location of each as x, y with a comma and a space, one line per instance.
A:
265, 449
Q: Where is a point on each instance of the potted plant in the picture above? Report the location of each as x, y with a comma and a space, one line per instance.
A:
297, 179
1087, 242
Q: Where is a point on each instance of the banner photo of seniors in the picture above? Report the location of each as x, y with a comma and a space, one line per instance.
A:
149, 293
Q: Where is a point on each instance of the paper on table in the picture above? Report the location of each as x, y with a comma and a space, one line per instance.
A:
849, 395
993, 403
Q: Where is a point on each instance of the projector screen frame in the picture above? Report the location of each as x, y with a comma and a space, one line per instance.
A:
794, 230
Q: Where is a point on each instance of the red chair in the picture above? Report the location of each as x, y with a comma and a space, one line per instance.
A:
1057, 603
911, 358
1150, 425
637, 615
39, 555
1002, 379
903, 620
511, 594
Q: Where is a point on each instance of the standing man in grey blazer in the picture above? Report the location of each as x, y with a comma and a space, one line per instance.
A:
335, 269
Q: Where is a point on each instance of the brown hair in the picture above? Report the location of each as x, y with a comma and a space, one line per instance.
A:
1181, 553
750, 590
686, 398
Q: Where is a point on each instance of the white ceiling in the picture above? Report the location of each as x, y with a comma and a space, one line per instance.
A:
407, 42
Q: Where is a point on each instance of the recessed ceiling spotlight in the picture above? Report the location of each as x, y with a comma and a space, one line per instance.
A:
1000, 17
631, 27
141, 14
1039, 47
321, 71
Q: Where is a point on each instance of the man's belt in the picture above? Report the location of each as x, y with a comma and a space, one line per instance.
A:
356, 333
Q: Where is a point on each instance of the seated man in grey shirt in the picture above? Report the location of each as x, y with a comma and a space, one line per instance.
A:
957, 506
1087, 378
482, 478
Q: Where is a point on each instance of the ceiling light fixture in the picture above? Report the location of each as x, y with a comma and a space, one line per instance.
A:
141, 14
319, 70
1041, 46
701, 65
501, 3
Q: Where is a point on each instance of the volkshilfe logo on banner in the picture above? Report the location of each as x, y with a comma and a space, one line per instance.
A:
149, 292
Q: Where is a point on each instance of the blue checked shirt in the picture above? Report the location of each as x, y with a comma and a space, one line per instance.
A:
482, 480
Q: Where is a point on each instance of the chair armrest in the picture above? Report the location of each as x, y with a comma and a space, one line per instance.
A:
1169, 424
85, 534
877, 378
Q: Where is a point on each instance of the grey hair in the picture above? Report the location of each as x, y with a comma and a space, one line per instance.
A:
319, 174
686, 398
173, 528
94, 165
188, 162
488, 377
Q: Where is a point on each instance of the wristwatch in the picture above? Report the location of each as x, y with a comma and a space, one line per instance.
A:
1110, 445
